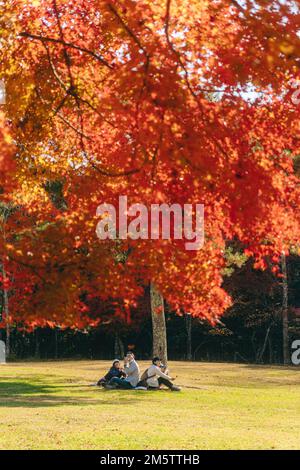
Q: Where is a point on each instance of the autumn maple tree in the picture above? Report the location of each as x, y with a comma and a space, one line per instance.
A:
176, 101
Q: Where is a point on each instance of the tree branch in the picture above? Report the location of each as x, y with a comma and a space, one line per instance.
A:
67, 44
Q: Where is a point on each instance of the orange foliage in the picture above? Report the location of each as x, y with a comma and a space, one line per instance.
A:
151, 100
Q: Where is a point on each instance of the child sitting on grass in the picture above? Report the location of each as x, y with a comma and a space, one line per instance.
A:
115, 371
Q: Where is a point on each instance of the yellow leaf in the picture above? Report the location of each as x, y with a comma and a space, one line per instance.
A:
286, 48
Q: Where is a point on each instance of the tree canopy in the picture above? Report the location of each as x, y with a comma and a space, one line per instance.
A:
180, 101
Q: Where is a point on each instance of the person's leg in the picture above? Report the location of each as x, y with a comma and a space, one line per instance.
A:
126, 385
120, 383
165, 382
168, 384
142, 383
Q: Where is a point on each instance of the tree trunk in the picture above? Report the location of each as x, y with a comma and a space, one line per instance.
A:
262, 351
188, 324
6, 313
285, 320
119, 347
116, 345
56, 332
158, 324
270, 350
37, 344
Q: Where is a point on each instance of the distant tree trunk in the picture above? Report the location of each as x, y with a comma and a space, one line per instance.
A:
158, 324
116, 345
263, 348
6, 313
285, 319
56, 331
37, 344
253, 345
119, 347
270, 350
188, 324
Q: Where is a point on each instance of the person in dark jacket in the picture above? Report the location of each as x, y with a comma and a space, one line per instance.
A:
115, 371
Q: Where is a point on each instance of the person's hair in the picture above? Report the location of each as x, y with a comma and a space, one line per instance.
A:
115, 361
130, 352
155, 359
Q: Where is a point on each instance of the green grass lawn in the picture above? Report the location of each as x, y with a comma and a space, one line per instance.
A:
50, 405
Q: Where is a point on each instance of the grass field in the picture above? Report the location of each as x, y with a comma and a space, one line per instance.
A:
50, 405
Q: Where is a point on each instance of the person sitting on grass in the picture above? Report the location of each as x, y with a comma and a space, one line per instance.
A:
115, 371
156, 377
132, 372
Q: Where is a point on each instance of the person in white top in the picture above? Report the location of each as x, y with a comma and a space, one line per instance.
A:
156, 377
132, 372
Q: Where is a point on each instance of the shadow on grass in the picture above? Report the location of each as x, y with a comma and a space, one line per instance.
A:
272, 367
18, 394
